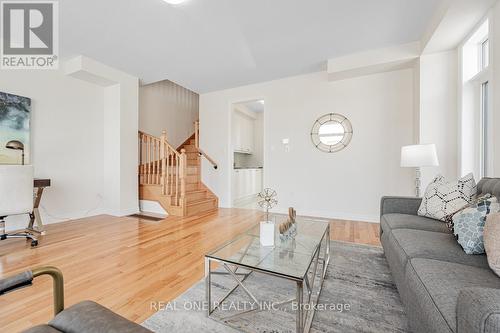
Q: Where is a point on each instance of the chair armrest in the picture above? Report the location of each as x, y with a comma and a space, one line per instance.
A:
15, 282
26, 278
478, 310
399, 205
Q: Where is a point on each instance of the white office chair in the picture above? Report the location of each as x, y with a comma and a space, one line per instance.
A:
16, 197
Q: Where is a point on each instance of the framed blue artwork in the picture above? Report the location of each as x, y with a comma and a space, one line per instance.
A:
15, 113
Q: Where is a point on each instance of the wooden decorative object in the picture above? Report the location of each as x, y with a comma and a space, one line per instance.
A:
292, 214
288, 229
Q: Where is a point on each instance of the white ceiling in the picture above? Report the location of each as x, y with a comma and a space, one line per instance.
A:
207, 45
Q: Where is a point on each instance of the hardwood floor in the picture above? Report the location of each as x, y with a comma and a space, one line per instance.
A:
127, 263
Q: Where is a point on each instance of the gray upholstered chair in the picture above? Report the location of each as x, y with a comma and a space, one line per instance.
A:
84, 317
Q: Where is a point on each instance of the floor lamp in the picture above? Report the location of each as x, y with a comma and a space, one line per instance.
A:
16, 145
417, 156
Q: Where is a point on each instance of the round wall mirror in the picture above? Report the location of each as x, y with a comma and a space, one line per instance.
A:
331, 132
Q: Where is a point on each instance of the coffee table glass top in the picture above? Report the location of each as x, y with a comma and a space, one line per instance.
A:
290, 258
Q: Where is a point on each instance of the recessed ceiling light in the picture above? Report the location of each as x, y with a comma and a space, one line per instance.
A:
174, 2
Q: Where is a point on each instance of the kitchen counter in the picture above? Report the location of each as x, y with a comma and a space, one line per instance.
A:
247, 182
240, 168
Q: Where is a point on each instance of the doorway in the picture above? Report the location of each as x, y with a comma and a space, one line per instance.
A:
247, 148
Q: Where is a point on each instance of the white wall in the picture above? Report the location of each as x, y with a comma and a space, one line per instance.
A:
120, 121
347, 184
84, 126
439, 111
66, 137
167, 106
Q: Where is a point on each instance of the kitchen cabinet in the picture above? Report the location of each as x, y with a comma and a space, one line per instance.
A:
246, 182
243, 133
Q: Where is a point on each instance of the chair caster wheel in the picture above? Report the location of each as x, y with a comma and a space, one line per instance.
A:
34, 243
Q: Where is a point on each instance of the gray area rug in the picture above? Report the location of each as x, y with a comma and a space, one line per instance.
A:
358, 296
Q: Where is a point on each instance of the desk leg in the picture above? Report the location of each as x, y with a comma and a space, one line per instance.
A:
35, 216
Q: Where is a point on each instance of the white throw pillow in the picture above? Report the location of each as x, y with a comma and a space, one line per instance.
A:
442, 198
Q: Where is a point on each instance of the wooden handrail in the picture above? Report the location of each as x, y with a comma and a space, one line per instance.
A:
161, 164
209, 159
197, 145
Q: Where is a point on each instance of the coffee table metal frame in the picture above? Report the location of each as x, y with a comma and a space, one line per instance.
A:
305, 305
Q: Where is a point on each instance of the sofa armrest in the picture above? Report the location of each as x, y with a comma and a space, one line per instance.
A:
401, 205
478, 310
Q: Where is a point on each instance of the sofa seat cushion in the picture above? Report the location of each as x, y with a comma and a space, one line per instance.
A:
434, 287
403, 221
434, 245
90, 317
42, 329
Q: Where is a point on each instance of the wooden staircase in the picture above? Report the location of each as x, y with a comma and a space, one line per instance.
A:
172, 177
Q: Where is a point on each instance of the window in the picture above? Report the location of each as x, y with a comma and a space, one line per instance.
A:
483, 158
476, 132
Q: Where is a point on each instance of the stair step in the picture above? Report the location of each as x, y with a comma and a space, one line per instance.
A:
192, 187
200, 201
190, 149
190, 179
195, 195
201, 206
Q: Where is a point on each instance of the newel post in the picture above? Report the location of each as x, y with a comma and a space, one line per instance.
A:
183, 175
197, 134
163, 159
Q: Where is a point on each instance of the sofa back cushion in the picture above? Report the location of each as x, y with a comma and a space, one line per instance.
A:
489, 185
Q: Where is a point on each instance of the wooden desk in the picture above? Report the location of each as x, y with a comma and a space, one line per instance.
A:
39, 185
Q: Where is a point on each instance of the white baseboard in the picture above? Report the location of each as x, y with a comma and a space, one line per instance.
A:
151, 207
19, 222
333, 215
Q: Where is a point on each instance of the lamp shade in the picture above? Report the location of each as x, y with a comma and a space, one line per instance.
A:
14, 144
416, 156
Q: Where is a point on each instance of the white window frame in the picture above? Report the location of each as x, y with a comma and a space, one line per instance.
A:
484, 130
472, 106
483, 57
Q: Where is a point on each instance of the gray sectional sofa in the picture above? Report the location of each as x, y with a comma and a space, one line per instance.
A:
443, 289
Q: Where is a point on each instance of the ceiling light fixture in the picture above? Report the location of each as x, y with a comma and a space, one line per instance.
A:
174, 2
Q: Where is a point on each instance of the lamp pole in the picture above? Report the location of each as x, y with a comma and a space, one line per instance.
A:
417, 182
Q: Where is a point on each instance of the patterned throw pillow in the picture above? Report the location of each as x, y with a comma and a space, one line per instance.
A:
469, 225
449, 219
492, 242
442, 199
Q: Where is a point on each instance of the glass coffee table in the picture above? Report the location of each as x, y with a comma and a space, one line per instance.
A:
303, 260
